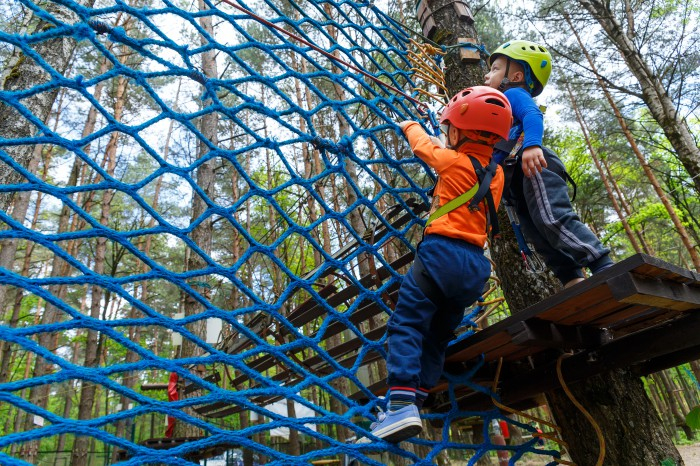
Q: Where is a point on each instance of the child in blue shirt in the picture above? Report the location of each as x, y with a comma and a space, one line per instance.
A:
538, 190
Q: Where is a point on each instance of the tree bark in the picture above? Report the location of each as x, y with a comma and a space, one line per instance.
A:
631, 436
202, 234
682, 232
79, 455
626, 207
678, 417
601, 172
23, 73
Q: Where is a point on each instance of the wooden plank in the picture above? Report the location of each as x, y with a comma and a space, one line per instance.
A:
653, 318
580, 309
667, 273
309, 304
349, 292
193, 386
667, 361
638, 289
494, 341
544, 334
511, 352
671, 338
591, 291
625, 316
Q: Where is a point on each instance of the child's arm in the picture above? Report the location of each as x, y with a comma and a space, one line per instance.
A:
526, 110
429, 149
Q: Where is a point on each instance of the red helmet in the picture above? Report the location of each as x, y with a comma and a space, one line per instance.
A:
480, 108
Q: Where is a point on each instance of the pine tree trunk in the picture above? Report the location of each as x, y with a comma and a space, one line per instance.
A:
690, 395
79, 456
23, 73
625, 205
39, 395
601, 172
678, 417
202, 234
630, 426
695, 367
7, 258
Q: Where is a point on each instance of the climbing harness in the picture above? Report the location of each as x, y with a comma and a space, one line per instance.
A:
480, 191
532, 261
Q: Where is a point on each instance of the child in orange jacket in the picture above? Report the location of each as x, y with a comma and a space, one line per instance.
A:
450, 270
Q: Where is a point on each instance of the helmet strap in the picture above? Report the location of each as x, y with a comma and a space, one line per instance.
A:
477, 137
505, 82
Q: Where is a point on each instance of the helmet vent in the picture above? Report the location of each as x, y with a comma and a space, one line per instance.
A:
496, 102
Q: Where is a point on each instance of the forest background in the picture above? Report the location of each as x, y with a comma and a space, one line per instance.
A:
636, 190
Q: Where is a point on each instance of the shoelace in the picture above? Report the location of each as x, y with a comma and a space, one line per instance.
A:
381, 415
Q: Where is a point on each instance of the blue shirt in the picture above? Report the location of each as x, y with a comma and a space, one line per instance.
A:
527, 117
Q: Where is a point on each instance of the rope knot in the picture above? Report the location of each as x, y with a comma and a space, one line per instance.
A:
99, 27
341, 147
85, 31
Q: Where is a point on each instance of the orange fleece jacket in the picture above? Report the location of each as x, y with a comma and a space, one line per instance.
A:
456, 175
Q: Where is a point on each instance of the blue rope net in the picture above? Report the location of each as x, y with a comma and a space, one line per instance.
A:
215, 195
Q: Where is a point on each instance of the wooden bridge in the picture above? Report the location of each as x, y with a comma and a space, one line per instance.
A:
642, 314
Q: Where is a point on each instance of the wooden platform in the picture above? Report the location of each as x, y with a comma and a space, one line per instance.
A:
641, 314
164, 443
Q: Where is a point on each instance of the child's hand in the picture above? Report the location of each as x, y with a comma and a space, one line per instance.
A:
405, 123
533, 159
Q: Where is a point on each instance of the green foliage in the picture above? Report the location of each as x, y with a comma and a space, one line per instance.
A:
693, 418
489, 22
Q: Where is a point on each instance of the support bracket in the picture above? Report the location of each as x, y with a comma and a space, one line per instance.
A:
537, 332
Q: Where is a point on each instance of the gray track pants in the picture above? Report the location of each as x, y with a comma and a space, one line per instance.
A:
548, 221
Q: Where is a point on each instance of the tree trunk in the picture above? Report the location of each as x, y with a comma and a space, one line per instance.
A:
661, 406
7, 258
625, 205
601, 172
23, 73
695, 367
690, 395
202, 234
79, 454
654, 95
678, 417
626, 401
630, 426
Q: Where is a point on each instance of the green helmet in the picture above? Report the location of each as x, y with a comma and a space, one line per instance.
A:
532, 54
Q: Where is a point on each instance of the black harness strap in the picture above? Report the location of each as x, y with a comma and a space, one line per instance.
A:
485, 176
